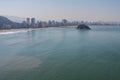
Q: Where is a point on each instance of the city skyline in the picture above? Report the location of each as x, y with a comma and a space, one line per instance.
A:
88, 10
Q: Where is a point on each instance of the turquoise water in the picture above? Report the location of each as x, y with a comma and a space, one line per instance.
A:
61, 54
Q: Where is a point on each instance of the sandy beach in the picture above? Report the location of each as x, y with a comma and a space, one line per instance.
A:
10, 31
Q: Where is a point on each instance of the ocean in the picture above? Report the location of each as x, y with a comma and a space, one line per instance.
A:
61, 54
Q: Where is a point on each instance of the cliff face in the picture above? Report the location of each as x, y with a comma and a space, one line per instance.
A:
5, 23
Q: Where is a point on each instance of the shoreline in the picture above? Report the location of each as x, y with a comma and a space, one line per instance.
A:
10, 31
16, 30
29, 29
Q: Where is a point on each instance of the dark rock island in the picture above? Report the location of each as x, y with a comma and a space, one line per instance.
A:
83, 27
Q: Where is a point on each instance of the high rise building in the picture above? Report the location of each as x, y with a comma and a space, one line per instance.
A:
32, 22
24, 24
28, 22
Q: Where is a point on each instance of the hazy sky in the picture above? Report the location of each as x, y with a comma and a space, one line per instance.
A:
90, 10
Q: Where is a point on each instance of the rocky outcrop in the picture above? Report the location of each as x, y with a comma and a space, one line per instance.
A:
83, 27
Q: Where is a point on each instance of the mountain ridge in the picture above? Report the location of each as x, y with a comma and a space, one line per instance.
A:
6, 23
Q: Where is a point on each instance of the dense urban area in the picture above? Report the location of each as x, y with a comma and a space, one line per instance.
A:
5, 23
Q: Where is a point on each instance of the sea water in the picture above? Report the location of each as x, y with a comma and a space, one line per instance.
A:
61, 54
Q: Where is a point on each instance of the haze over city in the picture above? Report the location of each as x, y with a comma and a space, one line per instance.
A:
59, 40
89, 10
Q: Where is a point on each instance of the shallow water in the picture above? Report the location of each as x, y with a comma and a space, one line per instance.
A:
61, 54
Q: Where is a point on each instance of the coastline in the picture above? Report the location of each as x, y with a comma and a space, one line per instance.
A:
10, 31
29, 29
2, 31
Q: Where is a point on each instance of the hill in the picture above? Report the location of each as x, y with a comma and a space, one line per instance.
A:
5, 23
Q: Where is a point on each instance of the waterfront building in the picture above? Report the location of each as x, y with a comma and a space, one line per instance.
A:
28, 22
24, 24
32, 22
